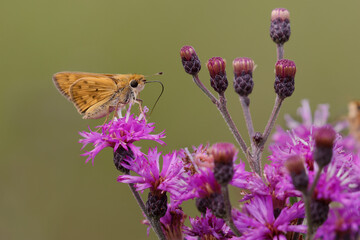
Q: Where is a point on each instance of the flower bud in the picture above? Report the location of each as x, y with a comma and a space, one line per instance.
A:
243, 82
203, 203
218, 79
324, 142
122, 156
257, 138
284, 80
295, 165
218, 205
319, 210
224, 155
280, 25
156, 205
190, 60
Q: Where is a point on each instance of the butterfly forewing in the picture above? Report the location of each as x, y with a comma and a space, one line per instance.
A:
92, 93
64, 80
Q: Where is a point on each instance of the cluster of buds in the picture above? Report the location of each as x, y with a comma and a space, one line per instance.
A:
243, 85
243, 67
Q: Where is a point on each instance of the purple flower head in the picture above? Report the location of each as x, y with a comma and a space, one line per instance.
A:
208, 227
169, 179
173, 222
342, 223
320, 118
198, 159
257, 220
337, 180
201, 185
276, 183
122, 132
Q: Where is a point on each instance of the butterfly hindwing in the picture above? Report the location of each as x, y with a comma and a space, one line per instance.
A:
89, 92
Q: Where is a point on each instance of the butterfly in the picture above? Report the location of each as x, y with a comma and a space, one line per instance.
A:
96, 95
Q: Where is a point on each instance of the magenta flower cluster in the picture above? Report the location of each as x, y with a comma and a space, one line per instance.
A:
309, 186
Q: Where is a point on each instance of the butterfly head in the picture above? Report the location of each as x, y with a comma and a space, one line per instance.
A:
137, 83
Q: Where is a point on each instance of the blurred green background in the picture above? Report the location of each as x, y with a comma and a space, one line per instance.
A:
46, 189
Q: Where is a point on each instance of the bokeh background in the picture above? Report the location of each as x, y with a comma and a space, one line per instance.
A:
46, 189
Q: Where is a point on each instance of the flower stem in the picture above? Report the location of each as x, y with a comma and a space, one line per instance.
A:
308, 215
317, 177
280, 51
204, 89
229, 220
272, 119
221, 105
307, 199
155, 226
245, 102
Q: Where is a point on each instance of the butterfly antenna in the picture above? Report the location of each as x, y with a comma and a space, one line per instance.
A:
162, 90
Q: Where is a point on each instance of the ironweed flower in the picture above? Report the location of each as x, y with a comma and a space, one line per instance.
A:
342, 223
208, 227
122, 132
257, 220
170, 178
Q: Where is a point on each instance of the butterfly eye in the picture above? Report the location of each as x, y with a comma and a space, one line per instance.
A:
133, 83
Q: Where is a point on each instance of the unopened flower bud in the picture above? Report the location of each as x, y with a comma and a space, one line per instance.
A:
284, 80
203, 203
218, 205
122, 156
324, 142
257, 138
223, 155
156, 205
218, 79
319, 210
280, 25
295, 165
243, 82
190, 60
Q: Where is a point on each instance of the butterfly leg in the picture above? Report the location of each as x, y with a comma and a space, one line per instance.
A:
140, 102
107, 117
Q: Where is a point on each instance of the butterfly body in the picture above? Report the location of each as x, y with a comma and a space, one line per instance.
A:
97, 95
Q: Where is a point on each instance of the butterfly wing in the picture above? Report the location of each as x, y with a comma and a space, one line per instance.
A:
64, 80
92, 95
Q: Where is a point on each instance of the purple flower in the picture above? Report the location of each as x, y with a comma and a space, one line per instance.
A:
169, 179
172, 223
337, 180
342, 223
276, 183
208, 227
257, 220
120, 132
